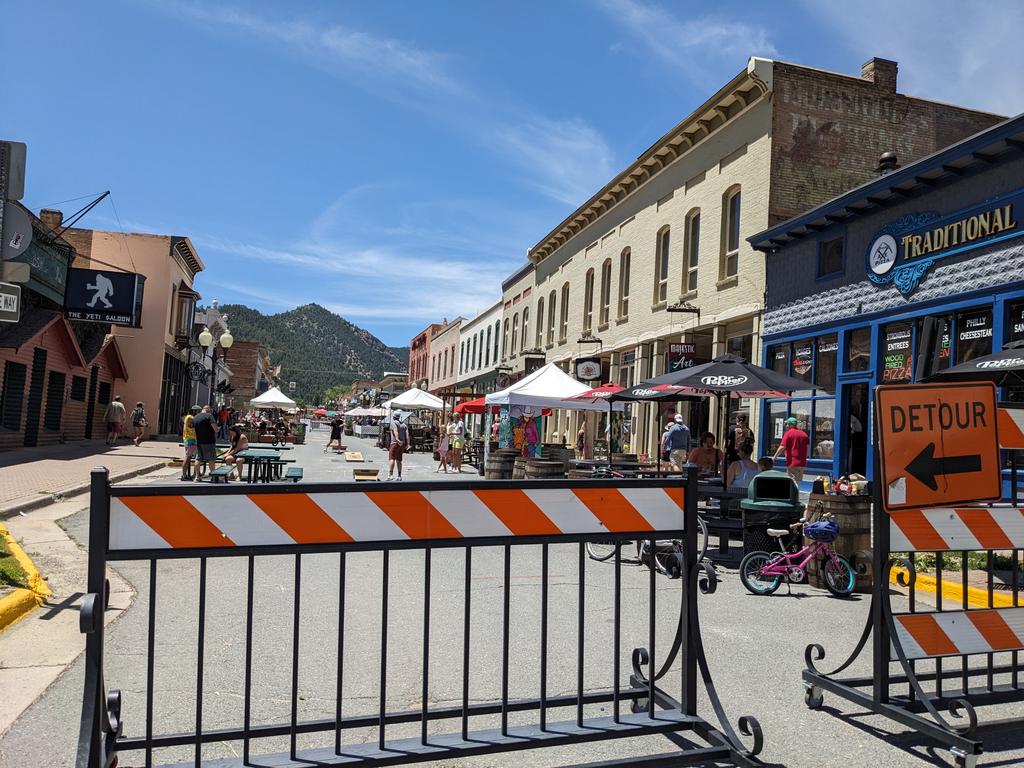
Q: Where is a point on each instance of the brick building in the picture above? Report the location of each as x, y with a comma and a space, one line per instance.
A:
444, 357
419, 355
659, 256
58, 375
251, 372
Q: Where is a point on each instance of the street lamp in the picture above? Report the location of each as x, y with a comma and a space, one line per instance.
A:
206, 341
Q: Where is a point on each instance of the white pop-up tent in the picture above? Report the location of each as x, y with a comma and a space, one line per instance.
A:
273, 398
415, 400
547, 387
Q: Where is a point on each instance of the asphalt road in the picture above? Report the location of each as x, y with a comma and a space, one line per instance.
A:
754, 647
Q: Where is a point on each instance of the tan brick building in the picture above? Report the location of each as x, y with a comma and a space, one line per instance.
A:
667, 237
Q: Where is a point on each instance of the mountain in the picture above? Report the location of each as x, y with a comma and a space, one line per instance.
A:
315, 348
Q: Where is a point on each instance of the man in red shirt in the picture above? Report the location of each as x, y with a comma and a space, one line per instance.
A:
794, 443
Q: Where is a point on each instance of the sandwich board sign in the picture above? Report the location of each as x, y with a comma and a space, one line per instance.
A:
938, 444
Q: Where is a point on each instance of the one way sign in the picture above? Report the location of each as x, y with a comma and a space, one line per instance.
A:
938, 444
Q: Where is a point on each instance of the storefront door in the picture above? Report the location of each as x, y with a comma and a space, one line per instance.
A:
854, 400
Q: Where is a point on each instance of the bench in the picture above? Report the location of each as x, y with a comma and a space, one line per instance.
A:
294, 474
220, 474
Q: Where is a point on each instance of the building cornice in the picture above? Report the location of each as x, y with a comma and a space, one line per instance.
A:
733, 98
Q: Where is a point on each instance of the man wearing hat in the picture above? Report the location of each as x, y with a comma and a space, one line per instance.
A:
677, 442
794, 443
188, 439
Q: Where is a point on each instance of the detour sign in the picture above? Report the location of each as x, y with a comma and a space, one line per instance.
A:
938, 444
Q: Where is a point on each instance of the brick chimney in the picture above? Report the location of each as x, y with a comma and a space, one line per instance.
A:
51, 218
881, 72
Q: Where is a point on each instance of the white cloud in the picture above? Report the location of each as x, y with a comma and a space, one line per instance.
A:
697, 46
947, 51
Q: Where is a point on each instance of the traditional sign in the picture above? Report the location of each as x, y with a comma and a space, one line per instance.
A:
904, 250
938, 444
588, 368
10, 303
104, 297
680, 356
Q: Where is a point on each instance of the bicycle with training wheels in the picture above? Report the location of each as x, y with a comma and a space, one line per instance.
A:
763, 572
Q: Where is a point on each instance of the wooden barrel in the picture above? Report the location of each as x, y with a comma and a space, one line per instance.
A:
853, 515
519, 467
540, 469
499, 466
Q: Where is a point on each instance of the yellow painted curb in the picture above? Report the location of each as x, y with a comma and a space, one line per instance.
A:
21, 601
952, 591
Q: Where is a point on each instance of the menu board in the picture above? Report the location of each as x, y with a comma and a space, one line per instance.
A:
897, 354
803, 359
1015, 331
974, 335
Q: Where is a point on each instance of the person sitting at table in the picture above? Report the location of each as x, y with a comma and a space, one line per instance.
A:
706, 456
742, 471
239, 442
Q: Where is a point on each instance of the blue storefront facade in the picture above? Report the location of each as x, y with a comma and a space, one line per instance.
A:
849, 284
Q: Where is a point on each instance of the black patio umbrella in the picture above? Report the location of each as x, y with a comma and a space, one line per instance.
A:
724, 376
1004, 368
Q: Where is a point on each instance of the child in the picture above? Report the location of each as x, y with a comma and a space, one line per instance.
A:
765, 463
442, 452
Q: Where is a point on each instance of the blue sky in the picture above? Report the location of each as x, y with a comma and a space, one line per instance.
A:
393, 161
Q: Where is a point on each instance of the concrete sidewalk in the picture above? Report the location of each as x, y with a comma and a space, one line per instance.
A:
34, 477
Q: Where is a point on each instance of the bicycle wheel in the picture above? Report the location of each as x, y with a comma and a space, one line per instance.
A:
600, 550
839, 576
669, 562
750, 574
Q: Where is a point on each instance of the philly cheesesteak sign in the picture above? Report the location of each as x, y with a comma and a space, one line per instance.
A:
903, 251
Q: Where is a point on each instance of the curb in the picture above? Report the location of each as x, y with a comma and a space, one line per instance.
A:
74, 490
21, 601
953, 591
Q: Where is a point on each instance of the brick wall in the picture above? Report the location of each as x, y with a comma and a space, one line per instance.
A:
243, 359
828, 131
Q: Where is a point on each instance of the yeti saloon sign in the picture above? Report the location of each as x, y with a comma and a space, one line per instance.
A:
903, 251
104, 297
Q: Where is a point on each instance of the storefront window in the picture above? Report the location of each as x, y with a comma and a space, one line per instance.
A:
825, 370
801, 411
778, 358
897, 353
824, 420
1015, 324
776, 426
741, 346
803, 359
973, 335
858, 349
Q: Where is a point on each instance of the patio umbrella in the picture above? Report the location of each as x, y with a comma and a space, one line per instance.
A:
1004, 368
478, 406
729, 376
319, 412
599, 394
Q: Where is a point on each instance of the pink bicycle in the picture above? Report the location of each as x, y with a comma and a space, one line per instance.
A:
763, 572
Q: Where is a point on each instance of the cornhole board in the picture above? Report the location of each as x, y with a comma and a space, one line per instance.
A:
353, 456
365, 474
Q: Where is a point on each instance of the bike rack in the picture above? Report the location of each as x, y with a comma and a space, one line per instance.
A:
434, 520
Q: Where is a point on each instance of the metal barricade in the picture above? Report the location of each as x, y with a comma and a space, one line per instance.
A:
447, 527
951, 658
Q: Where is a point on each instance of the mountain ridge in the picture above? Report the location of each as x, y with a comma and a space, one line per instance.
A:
316, 348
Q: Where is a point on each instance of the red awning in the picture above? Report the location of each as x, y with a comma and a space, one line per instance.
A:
478, 406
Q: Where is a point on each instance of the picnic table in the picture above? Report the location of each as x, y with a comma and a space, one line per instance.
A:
263, 465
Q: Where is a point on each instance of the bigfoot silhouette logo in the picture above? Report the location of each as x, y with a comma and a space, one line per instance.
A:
103, 296
103, 290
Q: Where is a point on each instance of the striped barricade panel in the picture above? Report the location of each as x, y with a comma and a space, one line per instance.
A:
956, 528
957, 633
1010, 426
183, 521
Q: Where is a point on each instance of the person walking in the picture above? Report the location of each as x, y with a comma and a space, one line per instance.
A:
794, 443
397, 448
206, 440
334, 441
442, 452
188, 440
239, 442
738, 434
139, 423
222, 421
114, 416
456, 441
676, 442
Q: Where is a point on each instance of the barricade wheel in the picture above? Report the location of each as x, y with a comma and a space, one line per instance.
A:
636, 706
813, 697
600, 550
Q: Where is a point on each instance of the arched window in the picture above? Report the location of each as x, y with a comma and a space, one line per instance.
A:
692, 250
606, 291
515, 334
540, 323
551, 318
462, 357
497, 334
661, 260
588, 301
563, 326
504, 341
433, 367
472, 355
451, 362
526, 328
730, 261
444, 364
487, 348
624, 259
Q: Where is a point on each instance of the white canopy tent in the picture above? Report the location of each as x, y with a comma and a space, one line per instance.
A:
547, 387
273, 398
415, 400
366, 412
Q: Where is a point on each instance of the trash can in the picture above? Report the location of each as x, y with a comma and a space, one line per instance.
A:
300, 433
773, 501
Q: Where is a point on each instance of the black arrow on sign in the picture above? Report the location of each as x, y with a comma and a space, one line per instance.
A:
925, 466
